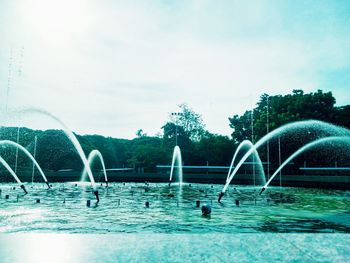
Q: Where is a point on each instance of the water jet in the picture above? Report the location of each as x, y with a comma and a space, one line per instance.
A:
7, 166
69, 134
246, 144
324, 129
24, 150
303, 149
178, 160
91, 158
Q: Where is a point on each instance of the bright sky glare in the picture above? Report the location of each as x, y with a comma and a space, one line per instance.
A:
113, 67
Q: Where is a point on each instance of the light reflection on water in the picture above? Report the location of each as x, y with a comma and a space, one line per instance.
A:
121, 209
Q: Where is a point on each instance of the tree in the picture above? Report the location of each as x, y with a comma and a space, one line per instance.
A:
213, 149
190, 121
140, 133
342, 116
173, 132
241, 126
284, 109
147, 152
278, 110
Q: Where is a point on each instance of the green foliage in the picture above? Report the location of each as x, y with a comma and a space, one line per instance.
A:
241, 126
281, 110
147, 152
190, 122
55, 151
198, 147
284, 109
213, 150
140, 133
169, 136
341, 116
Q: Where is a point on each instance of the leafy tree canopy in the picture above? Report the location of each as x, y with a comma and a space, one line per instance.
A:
189, 124
278, 110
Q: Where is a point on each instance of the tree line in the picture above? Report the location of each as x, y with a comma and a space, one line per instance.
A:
186, 128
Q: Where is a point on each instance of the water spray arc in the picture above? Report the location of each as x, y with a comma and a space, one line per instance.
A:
330, 128
91, 158
241, 146
25, 151
72, 138
8, 168
301, 150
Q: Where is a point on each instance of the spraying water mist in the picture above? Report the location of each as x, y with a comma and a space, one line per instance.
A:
178, 161
71, 137
303, 149
25, 151
248, 144
8, 168
91, 158
325, 130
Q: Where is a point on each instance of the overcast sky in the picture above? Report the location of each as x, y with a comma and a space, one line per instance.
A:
113, 67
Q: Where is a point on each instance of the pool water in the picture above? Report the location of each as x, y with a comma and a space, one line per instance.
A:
63, 209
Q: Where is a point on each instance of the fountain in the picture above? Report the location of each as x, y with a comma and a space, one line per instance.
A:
303, 149
324, 130
70, 136
91, 158
7, 166
248, 144
178, 160
24, 150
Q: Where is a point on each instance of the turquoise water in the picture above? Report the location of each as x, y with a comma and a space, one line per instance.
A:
63, 209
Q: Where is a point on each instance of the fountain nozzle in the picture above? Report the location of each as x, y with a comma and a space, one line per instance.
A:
48, 185
169, 183
262, 190
220, 196
106, 183
24, 189
96, 194
206, 210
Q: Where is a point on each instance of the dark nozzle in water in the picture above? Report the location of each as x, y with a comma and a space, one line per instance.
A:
48, 185
96, 194
262, 190
206, 210
24, 189
220, 196
106, 183
169, 183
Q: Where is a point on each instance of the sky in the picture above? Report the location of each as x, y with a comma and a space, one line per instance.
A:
113, 67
